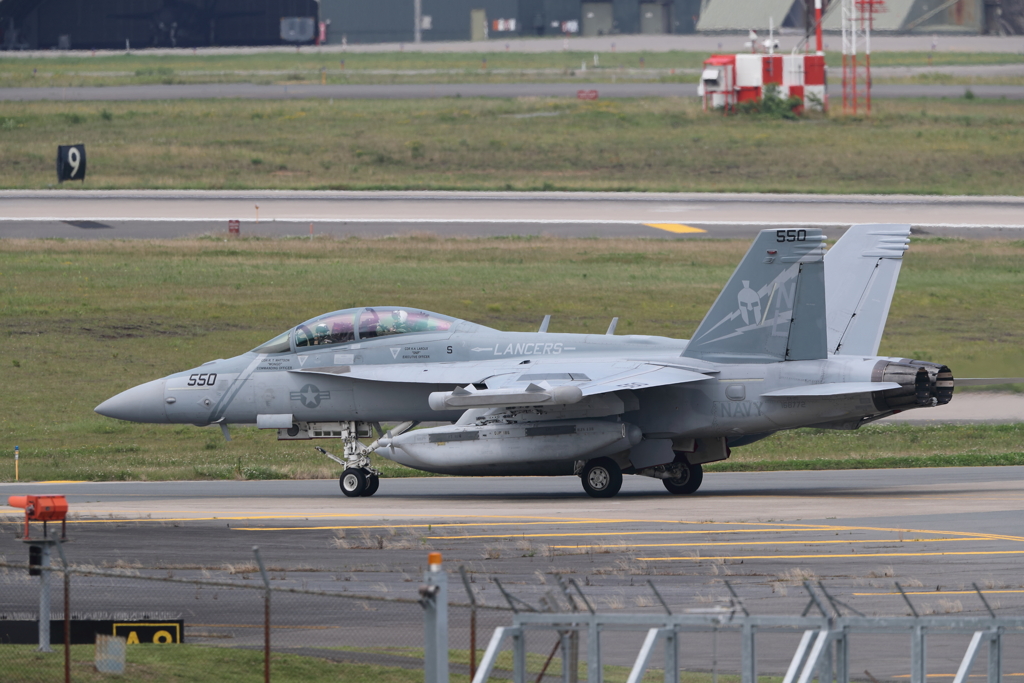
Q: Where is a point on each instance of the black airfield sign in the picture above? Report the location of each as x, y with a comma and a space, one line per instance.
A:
70, 162
84, 631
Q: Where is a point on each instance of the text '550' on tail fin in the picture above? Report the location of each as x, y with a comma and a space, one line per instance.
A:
861, 270
773, 307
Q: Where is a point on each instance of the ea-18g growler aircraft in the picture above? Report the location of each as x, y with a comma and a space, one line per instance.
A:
790, 342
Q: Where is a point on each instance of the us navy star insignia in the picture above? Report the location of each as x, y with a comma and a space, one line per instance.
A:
310, 395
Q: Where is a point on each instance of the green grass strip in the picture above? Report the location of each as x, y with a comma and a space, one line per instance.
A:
898, 462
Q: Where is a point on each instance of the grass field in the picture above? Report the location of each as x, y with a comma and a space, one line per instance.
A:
83, 320
199, 664
908, 146
395, 67
195, 664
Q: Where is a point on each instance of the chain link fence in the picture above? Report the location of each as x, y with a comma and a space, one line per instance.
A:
255, 622
239, 623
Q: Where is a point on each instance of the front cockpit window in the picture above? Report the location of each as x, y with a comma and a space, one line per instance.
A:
278, 344
333, 328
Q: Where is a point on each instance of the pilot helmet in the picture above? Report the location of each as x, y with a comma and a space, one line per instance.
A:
400, 316
321, 331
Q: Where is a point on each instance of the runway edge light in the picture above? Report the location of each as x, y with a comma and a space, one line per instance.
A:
434, 561
42, 509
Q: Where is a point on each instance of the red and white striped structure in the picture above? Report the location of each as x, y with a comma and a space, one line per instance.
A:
727, 80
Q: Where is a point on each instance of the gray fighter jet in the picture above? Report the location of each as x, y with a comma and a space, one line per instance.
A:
790, 342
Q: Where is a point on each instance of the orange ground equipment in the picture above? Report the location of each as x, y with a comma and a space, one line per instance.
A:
42, 509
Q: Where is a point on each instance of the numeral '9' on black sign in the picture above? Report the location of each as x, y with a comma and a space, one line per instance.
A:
70, 162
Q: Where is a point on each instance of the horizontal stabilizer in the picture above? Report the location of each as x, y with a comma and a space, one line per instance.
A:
987, 381
833, 389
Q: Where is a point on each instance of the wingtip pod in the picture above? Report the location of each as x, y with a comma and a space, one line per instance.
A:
773, 307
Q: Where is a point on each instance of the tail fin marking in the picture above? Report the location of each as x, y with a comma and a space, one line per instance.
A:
791, 324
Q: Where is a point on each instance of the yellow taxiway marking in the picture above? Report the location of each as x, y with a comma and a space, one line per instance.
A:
953, 675
942, 592
830, 557
297, 628
804, 542
630, 533
678, 228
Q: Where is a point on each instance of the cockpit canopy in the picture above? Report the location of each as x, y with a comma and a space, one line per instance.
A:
357, 324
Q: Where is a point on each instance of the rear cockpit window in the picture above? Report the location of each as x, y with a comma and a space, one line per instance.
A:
384, 321
278, 344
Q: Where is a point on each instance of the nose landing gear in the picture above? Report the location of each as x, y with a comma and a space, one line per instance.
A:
357, 482
360, 478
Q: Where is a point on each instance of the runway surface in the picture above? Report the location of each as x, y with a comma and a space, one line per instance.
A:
171, 214
936, 531
252, 91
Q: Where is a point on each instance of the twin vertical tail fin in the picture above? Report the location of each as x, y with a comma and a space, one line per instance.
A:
861, 270
773, 307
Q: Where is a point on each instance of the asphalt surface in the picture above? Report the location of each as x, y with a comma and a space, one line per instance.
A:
936, 531
252, 91
170, 214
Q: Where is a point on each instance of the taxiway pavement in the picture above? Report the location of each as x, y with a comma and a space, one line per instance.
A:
936, 531
171, 214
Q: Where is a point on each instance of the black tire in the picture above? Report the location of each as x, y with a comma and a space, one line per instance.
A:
353, 482
602, 478
691, 480
372, 484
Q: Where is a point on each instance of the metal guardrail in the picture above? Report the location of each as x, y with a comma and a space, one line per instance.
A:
823, 651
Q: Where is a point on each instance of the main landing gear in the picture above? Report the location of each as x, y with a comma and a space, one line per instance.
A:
688, 479
602, 477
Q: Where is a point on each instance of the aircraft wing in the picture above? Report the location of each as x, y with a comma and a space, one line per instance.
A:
593, 376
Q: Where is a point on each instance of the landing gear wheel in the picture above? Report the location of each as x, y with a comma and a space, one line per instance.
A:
689, 482
353, 482
372, 484
602, 478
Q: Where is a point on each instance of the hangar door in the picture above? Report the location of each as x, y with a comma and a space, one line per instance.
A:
597, 18
478, 24
654, 18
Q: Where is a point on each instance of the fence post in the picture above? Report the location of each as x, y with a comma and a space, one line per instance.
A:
44, 596
918, 668
749, 658
266, 614
995, 655
67, 613
472, 622
434, 600
594, 672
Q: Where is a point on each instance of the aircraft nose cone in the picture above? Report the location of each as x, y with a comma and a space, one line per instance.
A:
144, 403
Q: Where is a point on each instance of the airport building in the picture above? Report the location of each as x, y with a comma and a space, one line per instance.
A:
113, 24
358, 21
